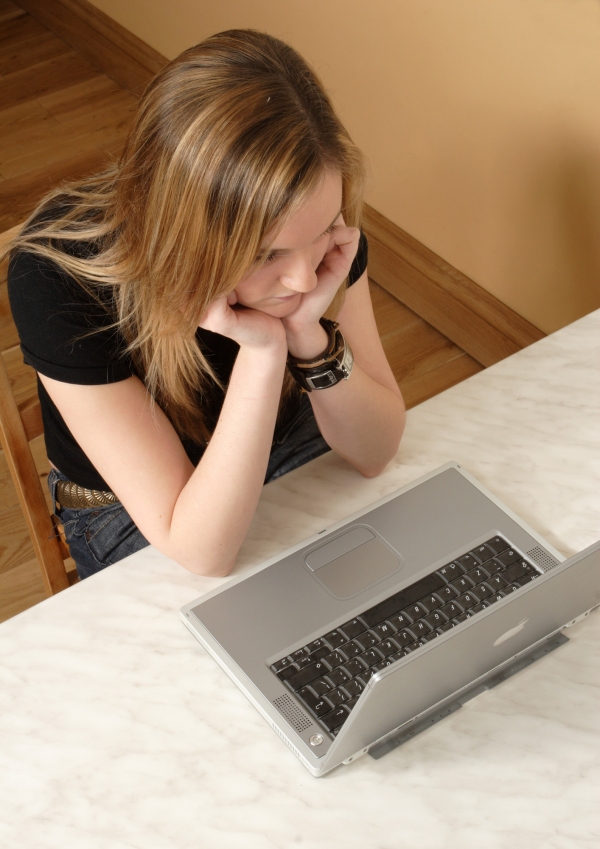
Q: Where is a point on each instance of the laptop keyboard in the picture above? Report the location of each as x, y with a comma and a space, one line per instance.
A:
329, 674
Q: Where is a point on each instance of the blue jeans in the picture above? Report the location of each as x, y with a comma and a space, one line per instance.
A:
99, 536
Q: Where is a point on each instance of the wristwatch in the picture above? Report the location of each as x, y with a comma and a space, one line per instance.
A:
333, 365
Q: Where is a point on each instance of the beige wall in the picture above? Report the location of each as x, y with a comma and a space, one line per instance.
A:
480, 118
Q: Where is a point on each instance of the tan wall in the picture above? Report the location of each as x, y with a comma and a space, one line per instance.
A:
481, 121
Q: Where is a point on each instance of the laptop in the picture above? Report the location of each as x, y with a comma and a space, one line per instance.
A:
359, 637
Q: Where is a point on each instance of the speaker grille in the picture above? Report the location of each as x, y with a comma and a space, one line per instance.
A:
290, 710
542, 558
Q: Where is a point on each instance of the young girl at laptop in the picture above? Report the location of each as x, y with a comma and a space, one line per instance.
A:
173, 307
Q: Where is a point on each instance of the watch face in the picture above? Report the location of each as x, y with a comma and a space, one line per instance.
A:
347, 361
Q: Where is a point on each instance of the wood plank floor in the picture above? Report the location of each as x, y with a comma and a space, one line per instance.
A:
61, 119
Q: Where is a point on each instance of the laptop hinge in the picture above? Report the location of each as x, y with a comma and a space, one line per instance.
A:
414, 727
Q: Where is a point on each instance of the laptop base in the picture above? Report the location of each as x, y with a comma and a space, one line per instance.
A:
405, 734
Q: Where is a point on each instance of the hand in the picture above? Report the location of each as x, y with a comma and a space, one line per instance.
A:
331, 272
249, 328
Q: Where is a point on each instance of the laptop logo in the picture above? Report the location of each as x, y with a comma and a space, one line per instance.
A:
508, 634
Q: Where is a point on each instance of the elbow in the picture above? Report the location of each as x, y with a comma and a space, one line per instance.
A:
208, 568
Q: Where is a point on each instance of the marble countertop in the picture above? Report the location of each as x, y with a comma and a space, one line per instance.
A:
117, 730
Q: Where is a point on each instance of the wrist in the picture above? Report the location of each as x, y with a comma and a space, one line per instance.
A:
307, 342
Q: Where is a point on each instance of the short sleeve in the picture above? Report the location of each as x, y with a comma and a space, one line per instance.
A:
64, 330
359, 266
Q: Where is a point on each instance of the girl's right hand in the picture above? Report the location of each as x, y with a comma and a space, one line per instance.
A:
249, 328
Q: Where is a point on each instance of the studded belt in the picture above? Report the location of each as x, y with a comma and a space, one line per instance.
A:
76, 497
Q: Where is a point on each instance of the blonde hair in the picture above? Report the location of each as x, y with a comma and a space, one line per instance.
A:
230, 139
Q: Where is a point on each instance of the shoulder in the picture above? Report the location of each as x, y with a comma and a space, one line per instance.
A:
67, 331
359, 265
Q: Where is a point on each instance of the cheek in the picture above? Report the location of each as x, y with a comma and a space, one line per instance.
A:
254, 288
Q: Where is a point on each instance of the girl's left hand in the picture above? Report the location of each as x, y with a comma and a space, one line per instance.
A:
331, 273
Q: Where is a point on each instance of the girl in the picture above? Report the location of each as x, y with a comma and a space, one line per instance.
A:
173, 308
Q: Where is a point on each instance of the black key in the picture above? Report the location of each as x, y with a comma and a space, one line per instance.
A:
446, 594
316, 644
335, 658
387, 647
306, 675
337, 676
354, 667
320, 686
415, 611
450, 572
429, 637
297, 655
301, 662
287, 672
462, 584
482, 591
371, 657
477, 575
383, 631
508, 557
384, 610
424, 587
353, 688
445, 627
403, 638
511, 588
430, 602
467, 561
419, 629
317, 654
451, 610
334, 639
477, 609
337, 697
497, 544
379, 666
496, 597
492, 566
435, 619
482, 553
352, 629
495, 583
400, 621
351, 650
461, 618
529, 578
333, 720
316, 705
410, 647
467, 600
351, 703
364, 678
281, 664
516, 571
366, 640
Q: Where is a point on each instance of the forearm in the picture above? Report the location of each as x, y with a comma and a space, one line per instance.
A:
361, 420
215, 508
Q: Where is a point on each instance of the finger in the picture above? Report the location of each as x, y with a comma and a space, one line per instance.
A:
232, 298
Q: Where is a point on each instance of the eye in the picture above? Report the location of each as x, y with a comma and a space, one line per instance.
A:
269, 257
330, 229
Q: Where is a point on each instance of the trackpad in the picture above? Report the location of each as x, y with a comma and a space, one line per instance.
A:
352, 562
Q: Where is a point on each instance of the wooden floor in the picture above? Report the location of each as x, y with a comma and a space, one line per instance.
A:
61, 119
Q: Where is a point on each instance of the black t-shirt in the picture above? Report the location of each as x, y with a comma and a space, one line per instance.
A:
65, 334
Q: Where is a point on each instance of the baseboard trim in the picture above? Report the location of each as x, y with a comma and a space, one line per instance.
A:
110, 47
454, 304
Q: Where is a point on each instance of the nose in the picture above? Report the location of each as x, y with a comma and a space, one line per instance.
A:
299, 274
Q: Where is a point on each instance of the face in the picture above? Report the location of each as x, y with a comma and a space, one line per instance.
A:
287, 264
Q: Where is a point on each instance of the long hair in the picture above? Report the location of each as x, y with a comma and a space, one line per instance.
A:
230, 138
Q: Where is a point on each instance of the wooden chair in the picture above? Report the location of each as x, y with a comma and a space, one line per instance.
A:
21, 422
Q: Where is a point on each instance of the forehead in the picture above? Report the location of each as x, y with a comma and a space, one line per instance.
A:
313, 217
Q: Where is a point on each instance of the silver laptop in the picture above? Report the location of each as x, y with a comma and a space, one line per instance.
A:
359, 637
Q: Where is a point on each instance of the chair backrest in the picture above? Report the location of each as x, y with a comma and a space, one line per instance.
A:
20, 422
